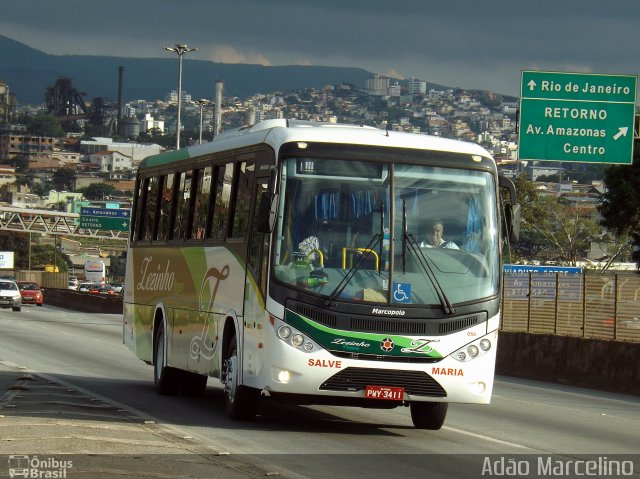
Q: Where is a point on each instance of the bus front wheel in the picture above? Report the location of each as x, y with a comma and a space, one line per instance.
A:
428, 415
241, 402
164, 377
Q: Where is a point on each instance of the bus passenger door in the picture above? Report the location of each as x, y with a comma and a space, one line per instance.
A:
256, 281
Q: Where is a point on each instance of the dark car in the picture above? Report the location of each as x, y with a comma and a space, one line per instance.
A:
103, 289
31, 292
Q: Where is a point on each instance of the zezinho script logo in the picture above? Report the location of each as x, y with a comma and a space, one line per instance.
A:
155, 277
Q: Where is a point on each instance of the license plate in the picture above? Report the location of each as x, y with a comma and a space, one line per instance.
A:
6, 302
384, 392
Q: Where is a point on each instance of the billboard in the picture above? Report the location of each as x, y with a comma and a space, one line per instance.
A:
6, 259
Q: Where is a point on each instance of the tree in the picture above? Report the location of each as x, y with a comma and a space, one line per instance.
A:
44, 125
47, 254
532, 205
550, 226
21, 162
41, 189
64, 179
566, 231
19, 244
620, 206
97, 191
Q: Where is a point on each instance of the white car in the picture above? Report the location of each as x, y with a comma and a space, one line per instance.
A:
10, 295
86, 286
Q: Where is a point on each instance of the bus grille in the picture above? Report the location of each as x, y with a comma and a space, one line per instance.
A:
457, 325
382, 357
317, 315
388, 327
400, 326
416, 383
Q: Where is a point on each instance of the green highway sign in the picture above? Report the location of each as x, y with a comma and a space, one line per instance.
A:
578, 117
104, 223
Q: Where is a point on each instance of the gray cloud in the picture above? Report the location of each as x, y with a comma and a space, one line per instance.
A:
467, 43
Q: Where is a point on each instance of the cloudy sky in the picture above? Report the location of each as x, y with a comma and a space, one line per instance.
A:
480, 44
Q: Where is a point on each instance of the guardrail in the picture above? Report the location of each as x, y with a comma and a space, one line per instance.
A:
591, 305
81, 301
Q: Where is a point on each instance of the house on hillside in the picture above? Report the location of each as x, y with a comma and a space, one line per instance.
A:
110, 161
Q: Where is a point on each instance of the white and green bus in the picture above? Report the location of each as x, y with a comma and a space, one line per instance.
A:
292, 261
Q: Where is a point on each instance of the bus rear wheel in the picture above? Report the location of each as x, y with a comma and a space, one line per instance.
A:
241, 402
428, 415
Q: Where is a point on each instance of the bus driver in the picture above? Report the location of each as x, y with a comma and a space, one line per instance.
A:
436, 240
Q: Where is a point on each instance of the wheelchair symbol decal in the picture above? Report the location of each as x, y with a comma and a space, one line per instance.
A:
402, 292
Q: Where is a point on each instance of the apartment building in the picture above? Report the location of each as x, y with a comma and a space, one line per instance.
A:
32, 147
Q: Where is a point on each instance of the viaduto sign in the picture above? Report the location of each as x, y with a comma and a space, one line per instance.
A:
577, 117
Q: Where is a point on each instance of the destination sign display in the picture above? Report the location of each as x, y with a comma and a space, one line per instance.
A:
577, 117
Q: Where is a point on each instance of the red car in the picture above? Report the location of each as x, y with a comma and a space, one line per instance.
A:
30, 292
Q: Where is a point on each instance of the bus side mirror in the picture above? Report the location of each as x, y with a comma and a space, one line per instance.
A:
266, 214
511, 209
512, 218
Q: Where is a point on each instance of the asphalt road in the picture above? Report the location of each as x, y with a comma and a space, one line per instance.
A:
528, 418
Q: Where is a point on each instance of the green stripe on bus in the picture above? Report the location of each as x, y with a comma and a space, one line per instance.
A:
363, 343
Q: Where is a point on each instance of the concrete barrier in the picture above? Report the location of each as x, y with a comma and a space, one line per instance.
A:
81, 301
593, 363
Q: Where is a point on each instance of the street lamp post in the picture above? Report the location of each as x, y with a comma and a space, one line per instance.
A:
201, 103
179, 50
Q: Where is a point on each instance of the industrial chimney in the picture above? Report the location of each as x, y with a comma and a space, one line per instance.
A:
120, 79
218, 109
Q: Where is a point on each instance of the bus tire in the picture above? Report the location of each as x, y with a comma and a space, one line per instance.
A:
428, 415
164, 377
241, 402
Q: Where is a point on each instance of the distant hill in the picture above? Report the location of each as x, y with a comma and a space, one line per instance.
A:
29, 72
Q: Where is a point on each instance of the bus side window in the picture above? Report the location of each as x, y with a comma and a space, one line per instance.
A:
138, 216
182, 206
242, 203
201, 203
221, 194
150, 209
164, 212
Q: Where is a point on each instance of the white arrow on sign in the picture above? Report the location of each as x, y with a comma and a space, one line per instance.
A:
622, 131
532, 85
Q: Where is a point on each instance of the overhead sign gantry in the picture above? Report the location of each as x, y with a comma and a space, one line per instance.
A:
577, 117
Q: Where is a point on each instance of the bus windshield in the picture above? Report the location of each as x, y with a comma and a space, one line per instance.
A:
387, 233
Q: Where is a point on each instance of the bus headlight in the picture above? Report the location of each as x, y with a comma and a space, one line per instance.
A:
293, 337
472, 350
284, 332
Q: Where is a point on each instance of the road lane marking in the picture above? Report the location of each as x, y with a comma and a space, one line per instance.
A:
488, 438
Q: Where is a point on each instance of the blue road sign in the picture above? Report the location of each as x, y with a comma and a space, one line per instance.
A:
105, 212
549, 270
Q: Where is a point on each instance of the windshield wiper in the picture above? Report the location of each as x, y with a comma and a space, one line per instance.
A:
368, 250
447, 307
